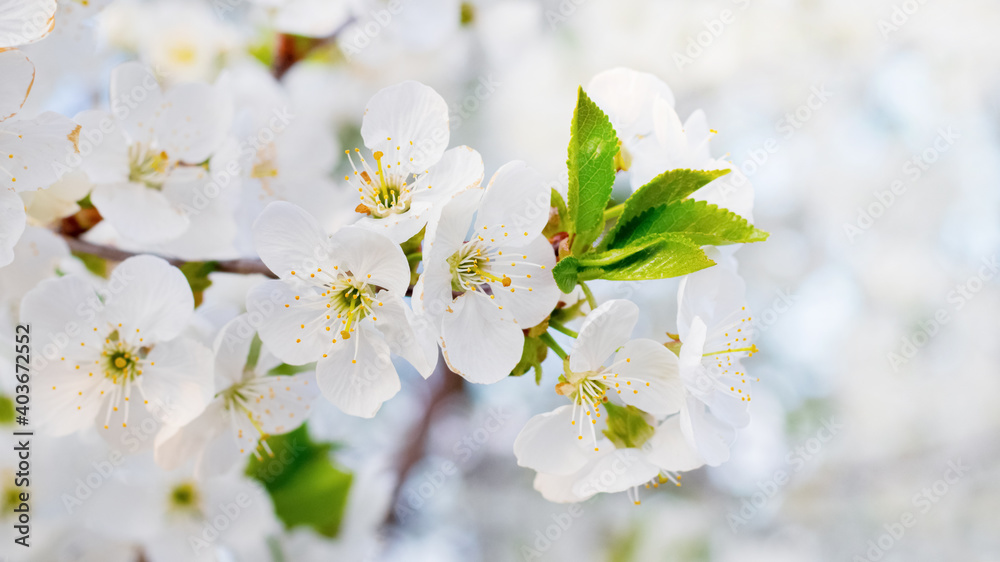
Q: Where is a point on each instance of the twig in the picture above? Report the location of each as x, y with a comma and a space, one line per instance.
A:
286, 53
448, 383
244, 266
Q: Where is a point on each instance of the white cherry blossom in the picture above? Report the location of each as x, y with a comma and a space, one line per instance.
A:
339, 302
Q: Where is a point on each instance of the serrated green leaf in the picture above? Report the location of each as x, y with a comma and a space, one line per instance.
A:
591, 154
653, 257
566, 273
306, 488
701, 222
670, 186
627, 426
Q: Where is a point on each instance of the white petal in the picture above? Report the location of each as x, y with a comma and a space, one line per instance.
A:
107, 150
532, 293
154, 300
405, 336
177, 381
18, 76
604, 330
281, 327
478, 342
12, 219
446, 234
550, 443
64, 398
289, 239
360, 376
404, 121
459, 169
615, 472
654, 373
669, 450
558, 489
283, 402
704, 432
194, 122
718, 296
25, 21
232, 349
34, 153
136, 100
45, 206
515, 205
175, 445
626, 96
372, 258
38, 255
139, 213
63, 312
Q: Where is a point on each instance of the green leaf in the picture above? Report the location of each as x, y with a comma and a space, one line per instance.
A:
557, 220
701, 222
534, 352
306, 488
670, 186
628, 426
566, 274
94, 264
653, 257
196, 273
591, 164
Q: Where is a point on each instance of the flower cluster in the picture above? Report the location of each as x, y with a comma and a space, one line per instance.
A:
409, 259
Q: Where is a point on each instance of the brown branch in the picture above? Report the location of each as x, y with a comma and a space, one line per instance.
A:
448, 383
289, 50
243, 266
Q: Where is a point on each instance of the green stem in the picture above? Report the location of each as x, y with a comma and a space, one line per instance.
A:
415, 256
590, 296
559, 326
551, 342
613, 212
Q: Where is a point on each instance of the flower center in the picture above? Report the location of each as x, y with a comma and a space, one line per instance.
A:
184, 497
123, 362
147, 166
383, 192
470, 268
352, 301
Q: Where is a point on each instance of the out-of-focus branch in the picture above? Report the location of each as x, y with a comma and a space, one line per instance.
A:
243, 266
448, 384
290, 49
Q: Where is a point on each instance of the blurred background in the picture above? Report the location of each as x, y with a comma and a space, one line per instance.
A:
869, 129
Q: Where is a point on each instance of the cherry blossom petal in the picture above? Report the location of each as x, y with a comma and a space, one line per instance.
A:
177, 381
604, 330
479, 341
669, 450
288, 239
406, 337
25, 21
294, 333
515, 206
532, 293
12, 220
136, 100
358, 377
18, 76
408, 122
549, 443
372, 258
653, 372
154, 301
34, 153
139, 213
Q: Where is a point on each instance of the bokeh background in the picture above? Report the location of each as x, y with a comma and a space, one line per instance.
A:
869, 129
